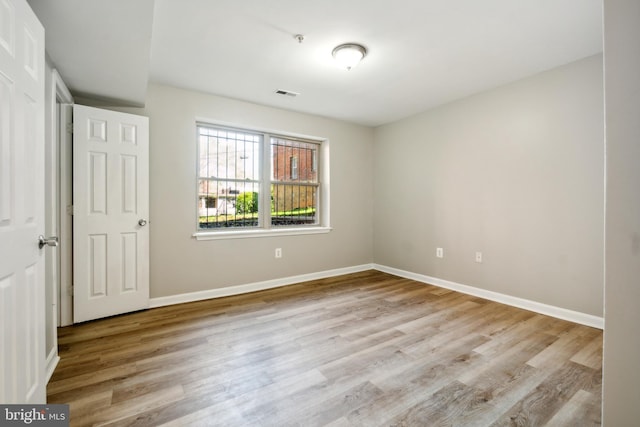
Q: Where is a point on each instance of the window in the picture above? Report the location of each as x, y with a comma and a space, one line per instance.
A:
256, 181
294, 168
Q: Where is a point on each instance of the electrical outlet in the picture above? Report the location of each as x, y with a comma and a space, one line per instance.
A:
440, 252
278, 252
479, 257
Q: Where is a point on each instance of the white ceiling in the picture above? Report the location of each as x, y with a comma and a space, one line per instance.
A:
100, 48
422, 53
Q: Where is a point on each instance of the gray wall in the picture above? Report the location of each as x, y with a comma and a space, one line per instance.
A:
180, 264
622, 285
516, 173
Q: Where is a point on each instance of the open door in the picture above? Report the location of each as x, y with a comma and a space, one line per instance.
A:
110, 213
22, 291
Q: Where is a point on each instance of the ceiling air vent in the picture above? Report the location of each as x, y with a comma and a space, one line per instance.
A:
287, 93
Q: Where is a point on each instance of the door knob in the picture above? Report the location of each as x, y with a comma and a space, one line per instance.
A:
49, 241
142, 222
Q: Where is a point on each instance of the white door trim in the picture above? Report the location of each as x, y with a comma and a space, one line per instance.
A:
61, 102
54, 215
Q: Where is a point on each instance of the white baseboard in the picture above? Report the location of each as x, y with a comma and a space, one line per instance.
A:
549, 310
51, 363
253, 287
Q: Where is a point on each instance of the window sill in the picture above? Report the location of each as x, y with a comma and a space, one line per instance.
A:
245, 234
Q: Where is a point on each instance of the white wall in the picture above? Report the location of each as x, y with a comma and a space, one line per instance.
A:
622, 280
515, 172
180, 264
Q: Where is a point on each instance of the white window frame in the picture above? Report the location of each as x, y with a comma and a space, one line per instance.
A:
264, 228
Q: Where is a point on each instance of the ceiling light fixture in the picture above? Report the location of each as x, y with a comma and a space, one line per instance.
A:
348, 55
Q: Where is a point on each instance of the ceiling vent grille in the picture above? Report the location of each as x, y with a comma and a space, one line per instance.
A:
287, 93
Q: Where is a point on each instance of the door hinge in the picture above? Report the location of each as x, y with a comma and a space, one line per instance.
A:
70, 128
70, 210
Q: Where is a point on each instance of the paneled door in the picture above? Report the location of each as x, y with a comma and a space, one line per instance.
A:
110, 213
22, 322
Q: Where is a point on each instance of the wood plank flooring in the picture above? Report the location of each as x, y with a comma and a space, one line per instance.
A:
366, 349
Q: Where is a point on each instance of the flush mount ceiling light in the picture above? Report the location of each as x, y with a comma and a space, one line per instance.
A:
348, 55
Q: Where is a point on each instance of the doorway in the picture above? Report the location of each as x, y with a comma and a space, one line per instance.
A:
126, 132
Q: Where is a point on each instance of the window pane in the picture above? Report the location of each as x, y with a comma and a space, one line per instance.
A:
294, 161
229, 155
293, 204
224, 204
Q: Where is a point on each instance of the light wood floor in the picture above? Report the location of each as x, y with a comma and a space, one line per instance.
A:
367, 349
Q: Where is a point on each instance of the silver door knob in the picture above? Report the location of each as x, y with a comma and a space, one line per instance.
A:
142, 222
49, 241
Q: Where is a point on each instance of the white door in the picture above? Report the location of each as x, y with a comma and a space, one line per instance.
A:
22, 339
110, 213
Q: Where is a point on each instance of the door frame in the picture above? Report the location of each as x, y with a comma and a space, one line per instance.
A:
65, 135
57, 214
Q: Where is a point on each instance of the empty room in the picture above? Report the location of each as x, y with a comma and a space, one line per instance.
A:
230, 213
